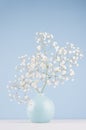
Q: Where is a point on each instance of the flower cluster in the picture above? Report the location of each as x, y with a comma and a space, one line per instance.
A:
49, 66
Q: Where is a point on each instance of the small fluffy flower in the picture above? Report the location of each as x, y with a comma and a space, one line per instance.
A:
50, 65
39, 48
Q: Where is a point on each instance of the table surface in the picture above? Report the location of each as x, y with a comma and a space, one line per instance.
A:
53, 125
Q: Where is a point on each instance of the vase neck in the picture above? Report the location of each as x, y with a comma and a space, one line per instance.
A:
41, 94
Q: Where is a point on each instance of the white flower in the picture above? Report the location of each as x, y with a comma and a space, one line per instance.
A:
37, 75
43, 76
56, 48
34, 85
48, 82
72, 72
50, 65
54, 44
58, 58
39, 48
57, 69
43, 66
56, 83
44, 58
64, 72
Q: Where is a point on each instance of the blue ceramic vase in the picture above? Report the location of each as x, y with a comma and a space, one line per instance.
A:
41, 110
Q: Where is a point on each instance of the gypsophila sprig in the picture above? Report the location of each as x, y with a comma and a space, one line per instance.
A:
49, 66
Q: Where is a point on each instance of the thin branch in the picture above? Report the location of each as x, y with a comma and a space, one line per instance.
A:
45, 80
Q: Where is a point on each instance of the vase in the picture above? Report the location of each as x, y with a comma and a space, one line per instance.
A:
41, 110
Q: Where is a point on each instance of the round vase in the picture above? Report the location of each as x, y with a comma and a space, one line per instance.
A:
41, 110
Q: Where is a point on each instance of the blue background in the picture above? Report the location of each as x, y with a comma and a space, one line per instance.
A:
19, 20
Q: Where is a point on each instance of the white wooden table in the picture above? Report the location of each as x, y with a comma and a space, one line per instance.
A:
53, 125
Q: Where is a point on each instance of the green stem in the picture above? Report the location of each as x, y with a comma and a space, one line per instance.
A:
42, 90
37, 90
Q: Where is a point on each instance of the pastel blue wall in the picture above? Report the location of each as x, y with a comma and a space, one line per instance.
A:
19, 20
